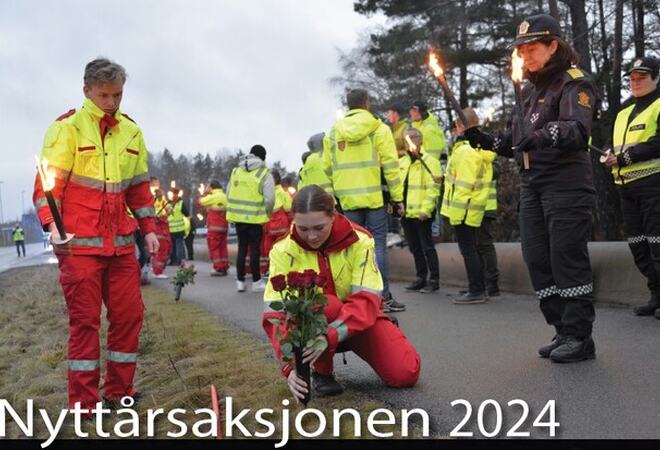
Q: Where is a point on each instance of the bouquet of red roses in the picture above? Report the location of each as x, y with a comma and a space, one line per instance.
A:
302, 302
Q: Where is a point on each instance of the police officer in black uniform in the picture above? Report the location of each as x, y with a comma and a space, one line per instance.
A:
556, 192
635, 163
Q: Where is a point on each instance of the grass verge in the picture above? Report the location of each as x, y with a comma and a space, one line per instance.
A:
183, 350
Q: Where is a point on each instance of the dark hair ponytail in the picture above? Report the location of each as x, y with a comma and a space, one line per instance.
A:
313, 198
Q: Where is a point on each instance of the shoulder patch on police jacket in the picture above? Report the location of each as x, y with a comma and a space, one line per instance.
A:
575, 73
69, 113
584, 99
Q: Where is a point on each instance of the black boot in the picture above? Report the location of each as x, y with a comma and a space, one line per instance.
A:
544, 352
326, 385
418, 284
649, 309
573, 349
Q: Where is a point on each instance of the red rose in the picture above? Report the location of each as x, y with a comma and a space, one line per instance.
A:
320, 280
308, 278
293, 279
278, 282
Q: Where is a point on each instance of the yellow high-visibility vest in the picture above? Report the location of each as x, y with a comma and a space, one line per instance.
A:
628, 133
355, 150
466, 189
245, 202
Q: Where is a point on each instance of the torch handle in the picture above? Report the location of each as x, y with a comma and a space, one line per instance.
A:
56, 215
454, 103
598, 150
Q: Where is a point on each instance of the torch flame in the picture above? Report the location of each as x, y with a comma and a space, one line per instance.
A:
200, 217
516, 67
201, 189
434, 63
339, 114
173, 184
47, 176
170, 195
411, 144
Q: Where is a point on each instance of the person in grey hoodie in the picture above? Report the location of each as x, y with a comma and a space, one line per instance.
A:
250, 201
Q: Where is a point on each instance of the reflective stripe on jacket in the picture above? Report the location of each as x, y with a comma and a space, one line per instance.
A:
245, 202
355, 150
98, 178
628, 133
466, 188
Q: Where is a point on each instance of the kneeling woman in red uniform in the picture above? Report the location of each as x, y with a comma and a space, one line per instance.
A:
327, 242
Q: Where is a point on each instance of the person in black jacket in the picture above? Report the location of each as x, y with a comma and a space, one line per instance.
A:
556, 192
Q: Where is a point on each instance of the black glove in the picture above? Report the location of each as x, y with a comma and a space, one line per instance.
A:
480, 139
534, 141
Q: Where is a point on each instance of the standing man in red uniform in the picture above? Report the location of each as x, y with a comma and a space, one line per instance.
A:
215, 202
162, 208
99, 160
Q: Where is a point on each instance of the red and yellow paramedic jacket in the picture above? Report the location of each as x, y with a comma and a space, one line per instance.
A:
101, 180
348, 260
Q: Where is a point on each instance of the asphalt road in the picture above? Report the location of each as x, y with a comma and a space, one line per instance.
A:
482, 352
35, 254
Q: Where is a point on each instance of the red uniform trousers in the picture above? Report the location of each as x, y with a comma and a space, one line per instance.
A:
159, 261
216, 237
383, 346
217, 243
274, 229
87, 281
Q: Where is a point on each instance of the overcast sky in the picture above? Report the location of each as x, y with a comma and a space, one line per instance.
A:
202, 74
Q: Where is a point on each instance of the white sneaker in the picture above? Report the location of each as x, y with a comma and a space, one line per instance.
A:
259, 286
161, 276
240, 286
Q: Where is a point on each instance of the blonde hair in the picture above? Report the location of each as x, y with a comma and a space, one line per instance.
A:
471, 116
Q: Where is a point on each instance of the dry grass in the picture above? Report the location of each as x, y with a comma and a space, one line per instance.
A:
182, 351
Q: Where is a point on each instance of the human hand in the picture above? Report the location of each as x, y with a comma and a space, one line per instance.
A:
152, 243
311, 354
609, 159
54, 234
401, 210
479, 139
534, 141
297, 386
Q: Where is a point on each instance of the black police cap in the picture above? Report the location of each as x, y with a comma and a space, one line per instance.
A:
646, 64
537, 27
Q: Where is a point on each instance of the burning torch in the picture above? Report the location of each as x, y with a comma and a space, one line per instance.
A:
516, 77
48, 183
412, 145
201, 189
439, 73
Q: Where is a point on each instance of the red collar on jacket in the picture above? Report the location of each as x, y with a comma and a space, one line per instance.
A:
342, 236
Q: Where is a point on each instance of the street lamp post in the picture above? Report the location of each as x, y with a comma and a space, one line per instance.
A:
2, 219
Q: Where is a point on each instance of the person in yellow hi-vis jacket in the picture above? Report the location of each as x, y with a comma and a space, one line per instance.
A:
464, 203
99, 160
325, 241
250, 198
422, 186
356, 150
215, 202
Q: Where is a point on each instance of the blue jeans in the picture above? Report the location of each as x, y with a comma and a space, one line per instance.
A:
178, 249
375, 220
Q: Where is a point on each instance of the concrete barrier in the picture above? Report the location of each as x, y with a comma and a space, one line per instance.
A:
616, 278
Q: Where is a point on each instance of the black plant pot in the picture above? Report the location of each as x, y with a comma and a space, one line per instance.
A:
304, 372
177, 291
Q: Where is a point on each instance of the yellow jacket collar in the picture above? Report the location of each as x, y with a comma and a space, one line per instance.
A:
97, 112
